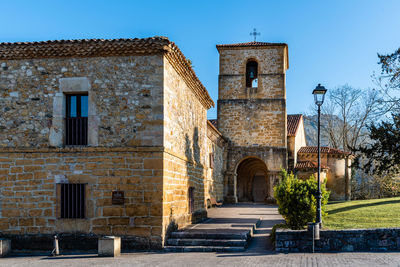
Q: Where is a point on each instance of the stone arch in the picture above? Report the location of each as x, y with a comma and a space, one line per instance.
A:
251, 72
252, 184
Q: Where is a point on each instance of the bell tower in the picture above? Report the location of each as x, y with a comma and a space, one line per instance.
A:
252, 113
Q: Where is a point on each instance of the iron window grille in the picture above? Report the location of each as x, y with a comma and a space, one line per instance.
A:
72, 201
76, 121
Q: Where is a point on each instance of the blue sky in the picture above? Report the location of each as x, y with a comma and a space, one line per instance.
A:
330, 42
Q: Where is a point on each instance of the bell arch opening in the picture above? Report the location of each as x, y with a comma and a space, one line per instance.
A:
252, 74
252, 181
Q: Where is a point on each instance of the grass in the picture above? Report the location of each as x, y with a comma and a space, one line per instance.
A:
371, 213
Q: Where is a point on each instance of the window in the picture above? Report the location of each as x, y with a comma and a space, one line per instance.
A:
252, 74
191, 199
76, 121
72, 201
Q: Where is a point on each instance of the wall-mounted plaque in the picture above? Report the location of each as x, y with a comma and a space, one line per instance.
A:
118, 198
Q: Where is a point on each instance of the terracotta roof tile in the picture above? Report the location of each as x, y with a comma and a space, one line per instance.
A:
293, 122
109, 47
83, 48
324, 150
308, 165
251, 44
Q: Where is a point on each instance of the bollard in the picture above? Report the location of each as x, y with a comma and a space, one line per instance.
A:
313, 230
316, 231
55, 251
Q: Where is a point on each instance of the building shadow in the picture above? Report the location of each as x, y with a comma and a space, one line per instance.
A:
195, 176
363, 206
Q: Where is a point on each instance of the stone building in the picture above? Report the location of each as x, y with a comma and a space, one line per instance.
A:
252, 116
103, 137
111, 137
335, 164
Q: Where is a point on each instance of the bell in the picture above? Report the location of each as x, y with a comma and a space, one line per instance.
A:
251, 75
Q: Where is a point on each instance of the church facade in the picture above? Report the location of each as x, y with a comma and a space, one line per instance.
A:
111, 137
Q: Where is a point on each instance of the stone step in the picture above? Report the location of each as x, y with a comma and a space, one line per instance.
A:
203, 249
210, 235
207, 242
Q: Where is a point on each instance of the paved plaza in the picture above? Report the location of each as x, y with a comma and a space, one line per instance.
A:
211, 259
259, 253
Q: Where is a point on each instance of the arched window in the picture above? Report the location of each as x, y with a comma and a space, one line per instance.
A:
251, 74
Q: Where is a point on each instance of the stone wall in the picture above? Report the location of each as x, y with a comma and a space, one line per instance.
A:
271, 68
125, 95
253, 122
384, 239
185, 140
30, 192
217, 147
253, 116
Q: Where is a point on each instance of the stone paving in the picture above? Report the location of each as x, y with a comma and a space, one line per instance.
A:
211, 259
241, 217
259, 252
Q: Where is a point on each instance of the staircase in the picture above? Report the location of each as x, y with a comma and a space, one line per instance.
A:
211, 240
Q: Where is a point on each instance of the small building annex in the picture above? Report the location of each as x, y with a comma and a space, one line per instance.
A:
335, 163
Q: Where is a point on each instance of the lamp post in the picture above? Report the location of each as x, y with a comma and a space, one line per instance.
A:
319, 95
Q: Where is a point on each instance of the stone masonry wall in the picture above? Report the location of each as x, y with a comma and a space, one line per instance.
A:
253, 116
253, 123
127, 95
30, 194
384, 239
217, 146
185, 135
271, 73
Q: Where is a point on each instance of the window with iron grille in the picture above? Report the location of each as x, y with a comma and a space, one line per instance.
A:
72, 201
76, 121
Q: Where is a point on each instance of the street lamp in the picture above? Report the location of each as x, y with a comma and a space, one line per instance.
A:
319, 96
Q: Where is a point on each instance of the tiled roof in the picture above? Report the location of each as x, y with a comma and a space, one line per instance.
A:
251, 44
293, 122
106, 48
308, 165
324, 150
83, 48
214, 122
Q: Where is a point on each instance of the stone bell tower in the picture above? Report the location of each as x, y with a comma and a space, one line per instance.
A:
252, 115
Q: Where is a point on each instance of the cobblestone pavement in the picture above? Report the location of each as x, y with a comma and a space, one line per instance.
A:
211, 259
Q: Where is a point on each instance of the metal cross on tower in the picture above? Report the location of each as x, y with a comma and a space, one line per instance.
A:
255, 33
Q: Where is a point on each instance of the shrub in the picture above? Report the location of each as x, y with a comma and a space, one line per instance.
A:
296, 200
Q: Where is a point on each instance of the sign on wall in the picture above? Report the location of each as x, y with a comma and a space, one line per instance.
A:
118, 198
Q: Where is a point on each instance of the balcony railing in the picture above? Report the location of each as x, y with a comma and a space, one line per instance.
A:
76, 130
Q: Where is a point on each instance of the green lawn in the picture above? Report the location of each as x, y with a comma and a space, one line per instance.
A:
372, 213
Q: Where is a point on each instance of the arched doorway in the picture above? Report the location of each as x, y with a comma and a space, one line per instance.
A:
252, 181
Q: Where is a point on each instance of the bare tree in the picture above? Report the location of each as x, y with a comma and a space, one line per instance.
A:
346, 113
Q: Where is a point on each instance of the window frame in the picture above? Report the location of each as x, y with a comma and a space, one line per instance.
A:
248, 80
78, 136
65, 214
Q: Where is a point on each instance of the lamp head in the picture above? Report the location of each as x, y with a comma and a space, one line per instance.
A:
319, 94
